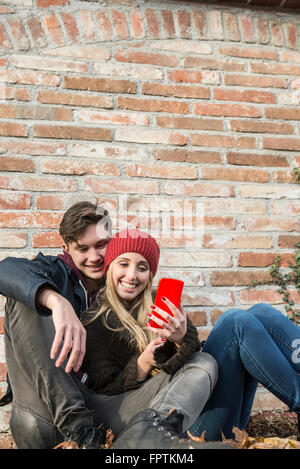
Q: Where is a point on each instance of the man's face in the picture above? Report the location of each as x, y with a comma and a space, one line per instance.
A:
88, 253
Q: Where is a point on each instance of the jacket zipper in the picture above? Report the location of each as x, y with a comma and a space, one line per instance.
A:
85, 294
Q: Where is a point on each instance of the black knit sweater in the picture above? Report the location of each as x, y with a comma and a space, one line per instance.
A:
111, 360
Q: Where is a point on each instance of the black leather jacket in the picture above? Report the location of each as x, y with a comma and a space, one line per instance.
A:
21, 279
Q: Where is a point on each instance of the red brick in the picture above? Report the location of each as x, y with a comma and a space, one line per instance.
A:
150, 136
215, 64
37, 32
12, 240
222, 278
219, 223
75, 99
199, 20
20, 37
194, 76
120, 24
35, 112
287, 241
88, 27
230, 110
46, 63
282, 113
189, 123
198, 318
281, 143
290, 30
50, 3
104, 25
146, 58
249, 52
256, 81
184, 22
120, 186
215, 24
10, 201
231, 27
104, 85
239, 241
262, 259
260, 296
178, 91
262, 30
32, 147
152, 22
137, 24
247, 28
46, 240
188, 156
11, 129
261, 127
4, 38
78, 167
32, 219
36, 183
9, 163
162, 171
152, 105
112, 117
49, 202
54, 30
71, 26
12, 92
198, 189
246, 95
269, 224
245, 159
287, 177
232, 174
222, 141
168, 23
276, 34
29, 77
70, 132
274, 68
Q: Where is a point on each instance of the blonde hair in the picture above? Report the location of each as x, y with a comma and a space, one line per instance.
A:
109, 302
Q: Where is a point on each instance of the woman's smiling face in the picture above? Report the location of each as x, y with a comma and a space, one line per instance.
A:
130, 275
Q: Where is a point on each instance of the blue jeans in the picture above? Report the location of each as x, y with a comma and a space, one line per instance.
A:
249, 346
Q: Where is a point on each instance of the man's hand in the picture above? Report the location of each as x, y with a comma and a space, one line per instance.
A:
68, 329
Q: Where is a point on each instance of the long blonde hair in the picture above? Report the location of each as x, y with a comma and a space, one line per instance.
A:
133, 316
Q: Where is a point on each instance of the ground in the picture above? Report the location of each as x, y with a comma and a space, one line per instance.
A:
282, 425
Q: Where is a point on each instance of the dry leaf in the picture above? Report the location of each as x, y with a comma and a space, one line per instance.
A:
200, 439
67, 445
109, 439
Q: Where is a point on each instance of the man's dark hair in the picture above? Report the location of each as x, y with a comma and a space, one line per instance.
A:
79, 216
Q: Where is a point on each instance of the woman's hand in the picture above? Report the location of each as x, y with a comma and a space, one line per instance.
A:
146, 362
175, 327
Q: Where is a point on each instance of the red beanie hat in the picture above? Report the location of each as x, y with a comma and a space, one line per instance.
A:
132, 240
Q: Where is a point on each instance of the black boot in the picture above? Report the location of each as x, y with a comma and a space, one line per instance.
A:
148, 430
88, 437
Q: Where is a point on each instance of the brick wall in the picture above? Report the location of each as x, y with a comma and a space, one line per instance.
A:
182, 117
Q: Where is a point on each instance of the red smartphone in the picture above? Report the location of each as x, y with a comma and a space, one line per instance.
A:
170, 288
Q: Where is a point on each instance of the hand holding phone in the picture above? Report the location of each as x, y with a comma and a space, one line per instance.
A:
169, 288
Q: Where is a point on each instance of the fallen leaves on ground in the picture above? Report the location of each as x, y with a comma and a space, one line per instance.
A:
244, 441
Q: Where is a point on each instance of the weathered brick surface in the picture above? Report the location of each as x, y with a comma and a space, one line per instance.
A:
183, 116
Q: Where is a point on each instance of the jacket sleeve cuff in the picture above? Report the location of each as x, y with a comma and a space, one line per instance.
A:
171, 362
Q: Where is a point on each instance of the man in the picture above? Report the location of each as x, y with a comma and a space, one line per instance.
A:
48, 406
45, 343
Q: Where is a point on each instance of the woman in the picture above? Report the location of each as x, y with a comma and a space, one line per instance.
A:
159, 380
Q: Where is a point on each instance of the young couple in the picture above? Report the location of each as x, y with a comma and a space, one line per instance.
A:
71, 382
